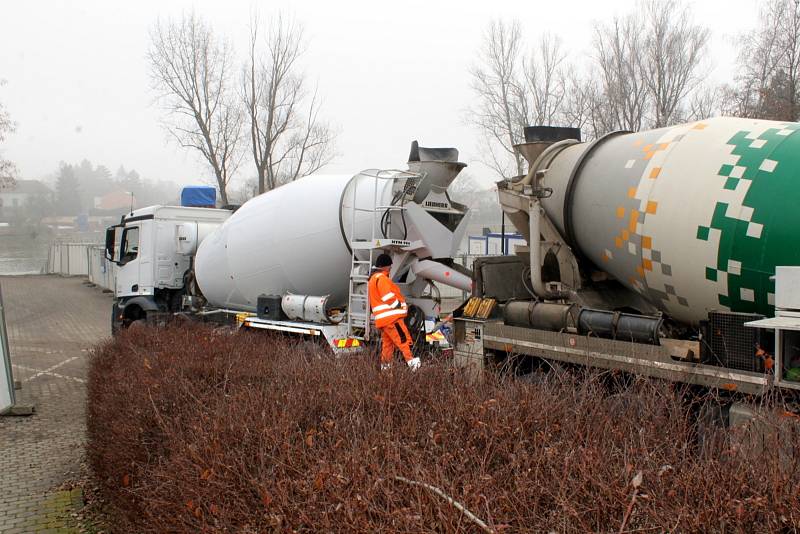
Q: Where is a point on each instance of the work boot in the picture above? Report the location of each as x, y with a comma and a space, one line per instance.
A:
414, 363
386, 366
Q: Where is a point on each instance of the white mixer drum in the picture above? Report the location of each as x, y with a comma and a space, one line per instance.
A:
291, 239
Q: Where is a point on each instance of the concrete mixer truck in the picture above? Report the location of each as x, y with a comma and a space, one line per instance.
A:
297, 259
670, 253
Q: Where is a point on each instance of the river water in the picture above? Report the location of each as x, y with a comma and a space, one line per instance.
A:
23, 253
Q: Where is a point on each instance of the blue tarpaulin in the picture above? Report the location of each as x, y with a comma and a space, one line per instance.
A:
199, 196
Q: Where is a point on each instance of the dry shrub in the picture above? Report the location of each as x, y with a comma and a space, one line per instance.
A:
195, 429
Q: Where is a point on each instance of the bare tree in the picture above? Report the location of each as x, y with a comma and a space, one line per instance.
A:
191, 69
757, 61
674, 47
8, 170
579, 102
287, 138
768, 82
515, 89
618, 49
243, 191
644, 72
496, 84
540, 96
703, 103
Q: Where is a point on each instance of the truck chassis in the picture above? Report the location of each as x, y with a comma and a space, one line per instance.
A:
476, 340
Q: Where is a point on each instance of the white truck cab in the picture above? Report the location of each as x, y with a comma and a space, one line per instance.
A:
153, 248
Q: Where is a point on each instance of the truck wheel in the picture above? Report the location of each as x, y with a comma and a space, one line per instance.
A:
138, 324
131, 315
116, 323
156, 319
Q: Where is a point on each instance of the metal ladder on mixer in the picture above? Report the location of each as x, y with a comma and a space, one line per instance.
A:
358, 308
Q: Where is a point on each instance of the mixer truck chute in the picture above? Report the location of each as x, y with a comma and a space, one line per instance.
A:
647, 251
296, 259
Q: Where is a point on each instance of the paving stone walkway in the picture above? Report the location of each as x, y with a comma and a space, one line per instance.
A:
53, 322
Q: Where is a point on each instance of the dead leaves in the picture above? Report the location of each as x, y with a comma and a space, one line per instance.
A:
272, 451
195, 510
435, 437
637, 480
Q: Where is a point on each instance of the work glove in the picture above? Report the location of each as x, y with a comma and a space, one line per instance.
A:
414, 363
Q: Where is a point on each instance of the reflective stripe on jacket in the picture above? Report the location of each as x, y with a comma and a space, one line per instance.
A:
385, 299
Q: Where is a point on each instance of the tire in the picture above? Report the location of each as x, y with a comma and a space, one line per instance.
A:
116, 324
138, 324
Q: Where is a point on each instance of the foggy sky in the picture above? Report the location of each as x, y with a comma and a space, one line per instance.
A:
389, 72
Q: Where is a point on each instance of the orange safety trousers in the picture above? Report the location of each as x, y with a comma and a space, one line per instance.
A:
395, 336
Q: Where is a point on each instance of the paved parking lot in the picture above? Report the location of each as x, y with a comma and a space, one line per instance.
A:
53, 322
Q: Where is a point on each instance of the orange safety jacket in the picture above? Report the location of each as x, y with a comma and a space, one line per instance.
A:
385, 299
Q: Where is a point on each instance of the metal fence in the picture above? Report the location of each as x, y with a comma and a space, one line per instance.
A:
68, 259
82, 259
101, 271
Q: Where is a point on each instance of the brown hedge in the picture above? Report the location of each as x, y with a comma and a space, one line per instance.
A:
195, 429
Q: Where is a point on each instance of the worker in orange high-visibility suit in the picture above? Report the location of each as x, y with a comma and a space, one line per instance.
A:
390, 309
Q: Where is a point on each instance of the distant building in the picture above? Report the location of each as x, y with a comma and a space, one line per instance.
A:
114, 201
491, 243
15, 199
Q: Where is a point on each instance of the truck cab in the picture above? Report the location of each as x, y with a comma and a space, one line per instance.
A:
153, 249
